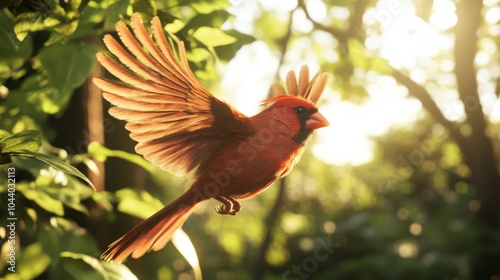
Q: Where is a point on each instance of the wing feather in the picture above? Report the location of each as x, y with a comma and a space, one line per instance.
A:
177, 123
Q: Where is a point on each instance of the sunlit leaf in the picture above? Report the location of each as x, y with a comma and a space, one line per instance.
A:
208, 6
73, 194
183, 243
166, 17
26, 140
213, 19
117, 271
54, 162
82, 266
137, 203
63, 17
147, 8
13, 52
101, 153
213, 37
59, 235
227, 52
42, 199
202, 6
31, 263
70, 72
25, 23
113, 14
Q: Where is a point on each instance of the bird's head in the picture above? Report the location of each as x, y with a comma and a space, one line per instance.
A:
295, 116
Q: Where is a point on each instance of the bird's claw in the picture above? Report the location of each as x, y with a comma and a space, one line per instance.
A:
229, 206
223, 210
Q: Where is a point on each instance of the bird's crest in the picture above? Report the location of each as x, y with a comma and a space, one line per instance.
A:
310, 90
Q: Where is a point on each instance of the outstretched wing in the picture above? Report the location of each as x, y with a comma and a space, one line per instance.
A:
303, 88
177, 123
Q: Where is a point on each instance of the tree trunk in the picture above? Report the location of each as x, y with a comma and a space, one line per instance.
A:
477, 147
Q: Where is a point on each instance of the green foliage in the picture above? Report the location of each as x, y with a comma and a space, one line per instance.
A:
68, 74
25, 145
81, 266
26, 140
101, 153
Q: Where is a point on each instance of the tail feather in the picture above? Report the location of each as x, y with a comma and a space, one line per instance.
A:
154, 232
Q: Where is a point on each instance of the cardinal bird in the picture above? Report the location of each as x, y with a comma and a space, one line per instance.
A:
180, 126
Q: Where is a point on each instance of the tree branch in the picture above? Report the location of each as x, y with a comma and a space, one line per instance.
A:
284, 42
420, 93
338, 34
356, 21
469, 20
355, 25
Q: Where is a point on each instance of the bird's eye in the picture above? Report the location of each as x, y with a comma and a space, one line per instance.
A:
300, 110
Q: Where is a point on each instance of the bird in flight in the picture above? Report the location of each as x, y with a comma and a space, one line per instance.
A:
180, 126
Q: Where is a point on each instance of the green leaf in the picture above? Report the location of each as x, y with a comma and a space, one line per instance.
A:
31, 263
202, 6
73, 195
42, 199
27, 22
113, 14
213, 37
117, 271
82, 266
208, 6
147, 8
43, 97
67, 65
213, 19
3, 134
137, 203
54, 162
60, 235
13, 53
63, 18
226, 53
101, 153
26, 140
166, 17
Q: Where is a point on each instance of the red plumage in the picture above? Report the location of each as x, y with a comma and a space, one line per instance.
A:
180, 126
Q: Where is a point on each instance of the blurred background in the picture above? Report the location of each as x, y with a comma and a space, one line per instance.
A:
404, 184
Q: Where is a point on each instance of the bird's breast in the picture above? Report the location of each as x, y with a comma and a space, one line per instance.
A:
246, 167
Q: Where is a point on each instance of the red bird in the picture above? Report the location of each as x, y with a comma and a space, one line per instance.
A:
180, 126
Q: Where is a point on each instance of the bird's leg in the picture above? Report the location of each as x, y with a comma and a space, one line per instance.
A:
230, 206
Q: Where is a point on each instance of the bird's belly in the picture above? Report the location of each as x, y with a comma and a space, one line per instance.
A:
243, 173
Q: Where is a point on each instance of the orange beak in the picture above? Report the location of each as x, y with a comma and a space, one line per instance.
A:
315, 121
